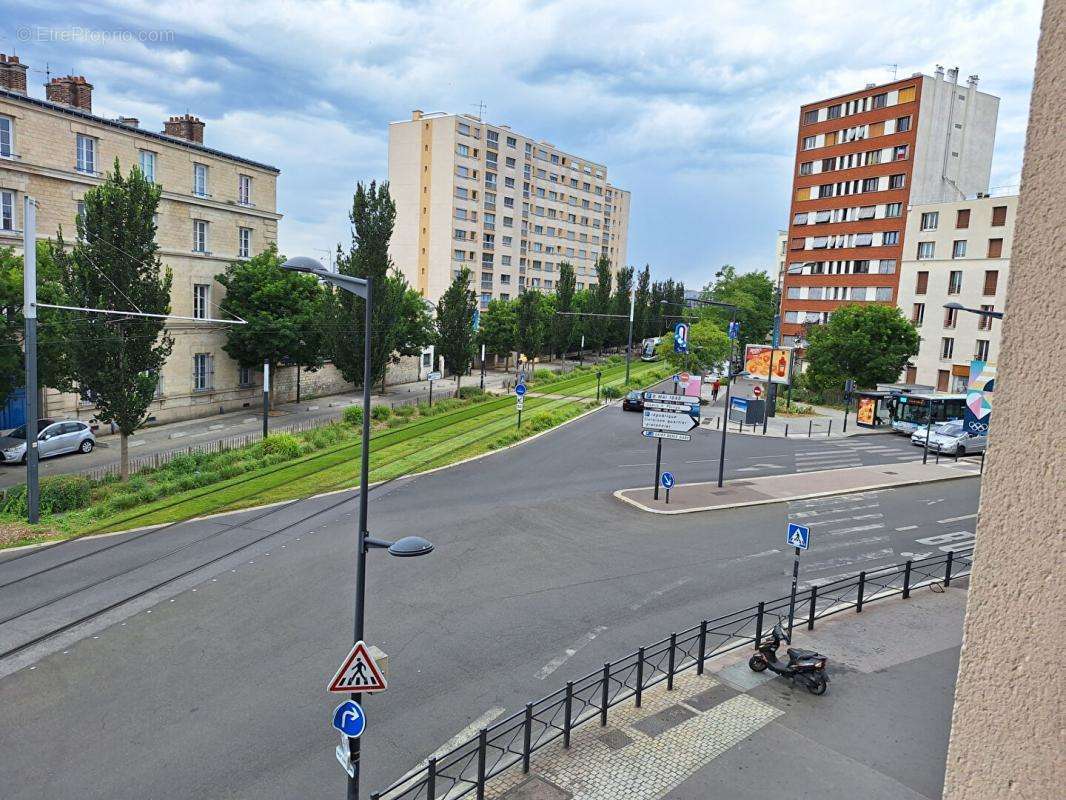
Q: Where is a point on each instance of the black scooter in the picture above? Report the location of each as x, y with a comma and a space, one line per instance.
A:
805, 666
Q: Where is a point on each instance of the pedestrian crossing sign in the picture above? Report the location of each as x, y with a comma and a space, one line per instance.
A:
798, 536
358, 673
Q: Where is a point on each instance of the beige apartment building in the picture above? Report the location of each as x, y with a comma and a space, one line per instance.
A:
955, 252
215, 208
507, 206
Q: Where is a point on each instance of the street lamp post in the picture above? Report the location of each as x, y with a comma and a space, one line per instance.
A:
408, 546
629, 346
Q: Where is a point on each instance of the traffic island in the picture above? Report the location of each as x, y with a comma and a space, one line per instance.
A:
688, 498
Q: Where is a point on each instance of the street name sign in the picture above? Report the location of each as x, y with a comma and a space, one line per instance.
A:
683, 408
798, 536
349, 719
667, 480
358, 673
668, 420
681, 437
668, 398
433, 376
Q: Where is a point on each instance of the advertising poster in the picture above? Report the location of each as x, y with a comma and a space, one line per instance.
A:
979, 397
865, 412
757, 362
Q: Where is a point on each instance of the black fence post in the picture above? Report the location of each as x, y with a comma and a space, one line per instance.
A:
786, 430
907, 580
862, 586
814, 603
829, 430
431, 779
527, 738
670, 663
703, 648
810, 428
758, 625
605, 690
482, 746
568, 713
640, 674
947, 569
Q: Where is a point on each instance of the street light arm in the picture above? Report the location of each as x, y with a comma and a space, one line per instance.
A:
979, 311
357, 286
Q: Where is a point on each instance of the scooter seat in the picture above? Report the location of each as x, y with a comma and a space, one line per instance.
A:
798, 654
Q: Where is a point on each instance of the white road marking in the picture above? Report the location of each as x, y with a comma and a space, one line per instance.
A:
657, 593
944, 538
934, 502
834, 563
907, 528
748, 469
957, 519
856, 529
844, 519
842, 465
637, 465
558, 661
804, 514
850, 543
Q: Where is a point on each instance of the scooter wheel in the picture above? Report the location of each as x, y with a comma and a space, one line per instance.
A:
818, 685
757, 664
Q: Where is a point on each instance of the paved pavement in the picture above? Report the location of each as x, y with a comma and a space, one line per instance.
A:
880, 733
175, 435
213, 685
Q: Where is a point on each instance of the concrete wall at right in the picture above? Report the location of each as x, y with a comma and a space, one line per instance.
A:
1007, 728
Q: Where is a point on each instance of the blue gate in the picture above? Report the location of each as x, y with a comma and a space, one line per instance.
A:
13, 413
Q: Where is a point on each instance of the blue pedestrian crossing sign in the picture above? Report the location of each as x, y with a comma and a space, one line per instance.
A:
349, 719
667, 480
798, 536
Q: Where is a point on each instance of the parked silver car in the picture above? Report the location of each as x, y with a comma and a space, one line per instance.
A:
53, 438
951, 438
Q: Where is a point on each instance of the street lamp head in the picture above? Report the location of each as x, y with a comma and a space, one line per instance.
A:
410, 546
304, 264
956, 306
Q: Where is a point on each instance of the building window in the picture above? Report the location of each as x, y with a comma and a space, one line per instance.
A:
958, 249
199, 236
148, 165
6, 137
86, 154
244, 190
921, 285
894, 210
984, 322
930, 219
890, 237
955, 281
864, 239
962, 218
896, 181
918, 313
995, 248
947, 347
7, 211
926, 250
826, 190
199, 180
870, 184
834, 112
887, 266
810, 116
800, 218
865, 212
999, 216
810, 142
903, 124
244, 377
980, 350
203, 372
244, 243
883, 294
880, 100
900, 153
806, 168
991, 280
201, 300
951, 316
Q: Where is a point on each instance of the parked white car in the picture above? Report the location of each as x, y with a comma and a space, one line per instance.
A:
951, 438
53, 438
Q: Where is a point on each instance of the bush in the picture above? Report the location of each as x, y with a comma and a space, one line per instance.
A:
472, 393
282, 444
544, 375
612, 392
59, 494
405, 411
380, 413
353, 415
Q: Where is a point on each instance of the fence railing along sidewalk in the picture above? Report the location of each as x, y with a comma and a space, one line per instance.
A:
512, 742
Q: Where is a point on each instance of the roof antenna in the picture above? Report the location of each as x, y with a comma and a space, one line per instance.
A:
480, 110
895, 69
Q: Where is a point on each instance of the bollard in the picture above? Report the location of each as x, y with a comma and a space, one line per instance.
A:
431, 779
640, 674
829, 430
604, 693
703, 648
568, 714
670, 663
786, 430
482, 747
810, 427
527, 738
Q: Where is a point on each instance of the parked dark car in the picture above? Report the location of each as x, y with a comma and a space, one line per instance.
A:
633, 401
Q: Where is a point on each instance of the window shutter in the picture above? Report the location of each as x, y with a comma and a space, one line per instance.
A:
991, 279
877, 129
995, 248
906, 95
923, 283
962, 219
999, 216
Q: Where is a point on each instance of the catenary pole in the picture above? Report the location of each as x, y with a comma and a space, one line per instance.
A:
29, 313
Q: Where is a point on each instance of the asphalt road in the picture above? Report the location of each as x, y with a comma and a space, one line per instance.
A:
214, 686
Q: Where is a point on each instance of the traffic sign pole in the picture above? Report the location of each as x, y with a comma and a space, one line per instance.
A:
431, 394
658, 463
792, 597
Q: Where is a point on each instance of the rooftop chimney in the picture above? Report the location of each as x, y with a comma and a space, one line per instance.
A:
939, 72
133, 122
416, 114
12, 74
71, 90
953, 74
972, 81
185, 127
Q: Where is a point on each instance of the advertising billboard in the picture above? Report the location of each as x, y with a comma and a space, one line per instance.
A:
757, 362
979, 397
866, 411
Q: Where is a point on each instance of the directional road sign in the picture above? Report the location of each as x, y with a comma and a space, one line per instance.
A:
349, 719
668, 420
358, 673
667, 480
433, 376
681, 437
669, 398
680, 406
798, 536
520, 389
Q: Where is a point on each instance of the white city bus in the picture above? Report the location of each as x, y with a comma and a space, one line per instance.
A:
913, 411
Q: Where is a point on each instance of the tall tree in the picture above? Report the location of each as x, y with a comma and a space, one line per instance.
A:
623, 284
531, 328
497, 329
372, 217
283, 310
641, 310
563, 326
655, 324
870, 343
455, 328
754, 296
708, 347
115, 265
599, 327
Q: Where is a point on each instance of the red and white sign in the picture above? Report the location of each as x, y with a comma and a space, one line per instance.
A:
758, 392
684, 377
358, 673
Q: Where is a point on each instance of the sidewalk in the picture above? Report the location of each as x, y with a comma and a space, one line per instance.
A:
825, 423
691, 497
880, 732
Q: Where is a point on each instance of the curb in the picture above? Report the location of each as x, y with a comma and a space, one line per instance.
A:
771, 500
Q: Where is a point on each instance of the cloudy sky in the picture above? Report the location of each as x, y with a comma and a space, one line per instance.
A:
692, 105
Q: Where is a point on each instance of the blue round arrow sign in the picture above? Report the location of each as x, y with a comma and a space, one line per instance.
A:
520, 389
667, 480
349, 719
